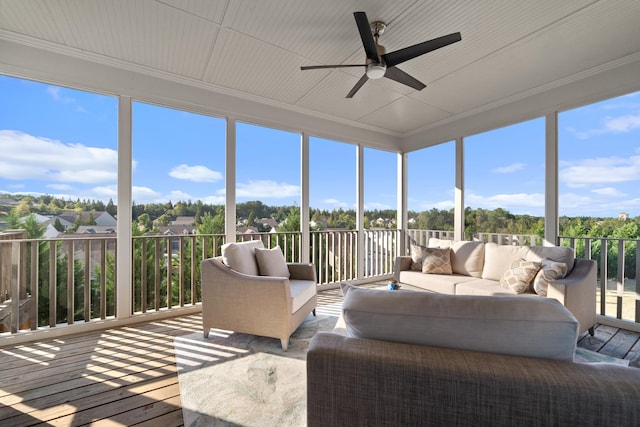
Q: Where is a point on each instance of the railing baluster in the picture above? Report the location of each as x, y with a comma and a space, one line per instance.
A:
143, 276
70, 280
604, 273
620, 279
103, 279
33, 289
87, 280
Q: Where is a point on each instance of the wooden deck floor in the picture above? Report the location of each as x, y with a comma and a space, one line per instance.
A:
127, 376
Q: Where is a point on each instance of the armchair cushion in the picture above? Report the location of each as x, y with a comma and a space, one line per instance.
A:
241, 256
271, 262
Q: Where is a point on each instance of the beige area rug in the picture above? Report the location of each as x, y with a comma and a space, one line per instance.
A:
233, 379
587, 356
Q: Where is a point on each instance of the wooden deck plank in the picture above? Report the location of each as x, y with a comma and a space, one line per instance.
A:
169, 419
136, 408
602, 336
620, 344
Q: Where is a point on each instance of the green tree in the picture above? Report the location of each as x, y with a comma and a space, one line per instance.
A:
35, 230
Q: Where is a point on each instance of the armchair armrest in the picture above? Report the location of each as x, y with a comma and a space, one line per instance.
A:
402, 263
577, 292
302, 271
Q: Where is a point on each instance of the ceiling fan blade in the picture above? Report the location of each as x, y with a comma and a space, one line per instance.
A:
400, 76
402, 55
318, 67
358, 85
367, 37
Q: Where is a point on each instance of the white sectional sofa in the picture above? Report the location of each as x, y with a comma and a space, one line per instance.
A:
477, 268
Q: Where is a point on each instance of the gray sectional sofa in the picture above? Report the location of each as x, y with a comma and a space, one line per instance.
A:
404, 358
477, 268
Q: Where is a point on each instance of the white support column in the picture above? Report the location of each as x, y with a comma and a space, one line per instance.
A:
551, 211
305, 241
402, 205
124, 247
458, 226
230, 182
360, 211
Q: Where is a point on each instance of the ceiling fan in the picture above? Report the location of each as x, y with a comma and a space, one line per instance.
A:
381, 64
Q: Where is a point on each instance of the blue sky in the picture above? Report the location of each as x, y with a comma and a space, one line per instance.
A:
63, 142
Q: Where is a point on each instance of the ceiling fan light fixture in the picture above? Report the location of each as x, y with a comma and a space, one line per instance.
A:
376, 71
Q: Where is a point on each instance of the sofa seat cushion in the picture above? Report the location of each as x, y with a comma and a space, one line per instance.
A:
534, 327
241, 256
484, 287
301, 292
441, 283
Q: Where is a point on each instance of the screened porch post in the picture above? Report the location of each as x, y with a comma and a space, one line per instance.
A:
551, 212
124, 246
230, 182
458, 218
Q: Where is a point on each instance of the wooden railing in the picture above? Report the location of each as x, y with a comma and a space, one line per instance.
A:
62, 281
69, 280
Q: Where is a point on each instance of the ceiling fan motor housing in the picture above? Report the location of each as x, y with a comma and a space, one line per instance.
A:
377, 69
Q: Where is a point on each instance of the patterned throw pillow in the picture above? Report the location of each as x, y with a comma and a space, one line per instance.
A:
518, 278
437, 261
417, 255
551, 270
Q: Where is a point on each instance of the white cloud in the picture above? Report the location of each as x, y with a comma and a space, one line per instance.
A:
620, 124
336, 203
509, 168
267, 189
604, 170
531, 203
376, 205
609, 192
28, 157
147, 195
56, 93
60, 187
179, 195
195, 173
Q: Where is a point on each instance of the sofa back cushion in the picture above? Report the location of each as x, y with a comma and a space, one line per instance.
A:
467, 258
515, 325
241, 256
498, 259
561, 254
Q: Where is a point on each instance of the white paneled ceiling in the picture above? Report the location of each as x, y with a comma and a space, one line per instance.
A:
253, 49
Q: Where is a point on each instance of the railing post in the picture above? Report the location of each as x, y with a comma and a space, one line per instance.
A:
604, 272
620, 279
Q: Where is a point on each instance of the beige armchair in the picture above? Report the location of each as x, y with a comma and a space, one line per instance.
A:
249, 303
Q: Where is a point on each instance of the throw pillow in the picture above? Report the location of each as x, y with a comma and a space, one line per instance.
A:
551, 270
271, 262
519, 277
417, 255
436, 261
240, 256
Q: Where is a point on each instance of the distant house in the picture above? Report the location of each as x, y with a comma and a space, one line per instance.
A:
67, 219
186, 221
623, 216
96, 229
9, 202
268, 222
246, 230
